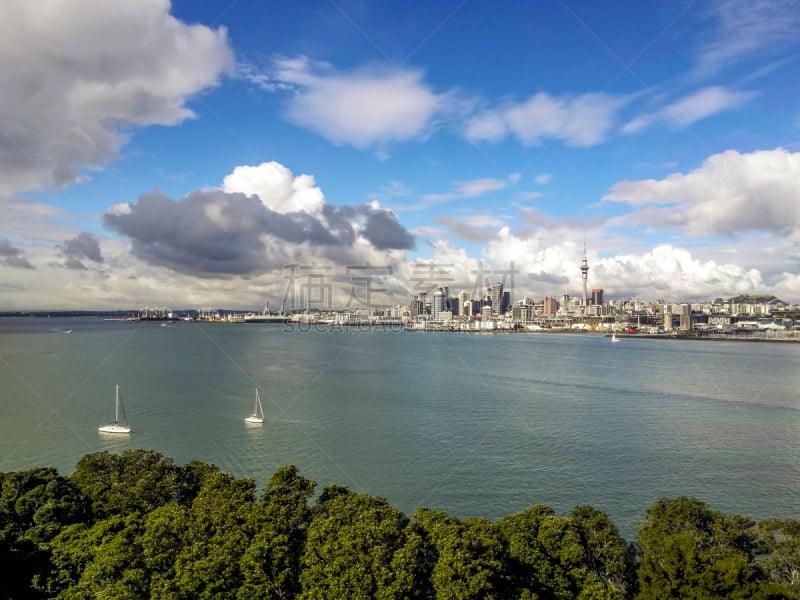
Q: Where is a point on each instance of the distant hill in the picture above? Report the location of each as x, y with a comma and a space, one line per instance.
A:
755, 299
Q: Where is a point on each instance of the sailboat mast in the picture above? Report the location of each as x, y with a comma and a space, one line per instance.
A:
116, 406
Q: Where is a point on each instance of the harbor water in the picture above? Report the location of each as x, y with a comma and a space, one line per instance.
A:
474, 424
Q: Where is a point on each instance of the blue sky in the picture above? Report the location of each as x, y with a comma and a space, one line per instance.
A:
183, 154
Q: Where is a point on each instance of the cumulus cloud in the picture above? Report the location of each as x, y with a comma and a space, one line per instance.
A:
384, 231
11, 256
664, 271
366, 108
83, 246
692, 108
583, 120
276, 187
224, 233
74, 74
730, 193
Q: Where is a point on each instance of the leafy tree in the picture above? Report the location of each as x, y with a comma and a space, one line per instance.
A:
35, 505
607, 555
781, 552
692, 552
356, 548
103, 560
136, 480
217, 534
271, 564
467, 557
165, 530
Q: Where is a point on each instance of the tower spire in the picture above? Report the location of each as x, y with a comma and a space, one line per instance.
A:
584, 274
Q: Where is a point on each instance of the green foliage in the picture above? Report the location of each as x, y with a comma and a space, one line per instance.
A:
356, 548
271, 564
35, 505
134, 481
467, 556
781, 552
217, 534
607, 555
690, 551
134, 525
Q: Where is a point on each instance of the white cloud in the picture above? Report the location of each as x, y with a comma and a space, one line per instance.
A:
276, 187
583, 120
543, 178
692, 108
729, 194
365, 108
744, 28
665, 271
472, 188
73, 73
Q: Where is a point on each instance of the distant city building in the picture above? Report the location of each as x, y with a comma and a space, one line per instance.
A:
437, 305
685, 317
597, 296
496, 298
550, 306
506, 302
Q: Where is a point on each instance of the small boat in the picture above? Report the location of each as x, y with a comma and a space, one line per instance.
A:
258, 412
614, 337
68, 331
115, 426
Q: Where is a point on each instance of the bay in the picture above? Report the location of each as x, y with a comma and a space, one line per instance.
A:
474, 424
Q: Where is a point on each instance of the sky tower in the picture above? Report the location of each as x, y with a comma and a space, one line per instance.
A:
584, 274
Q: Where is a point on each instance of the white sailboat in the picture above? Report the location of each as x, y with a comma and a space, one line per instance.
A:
614, 337
116, 426
258, 412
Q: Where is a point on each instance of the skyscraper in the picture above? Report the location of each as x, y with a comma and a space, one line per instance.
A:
496, 295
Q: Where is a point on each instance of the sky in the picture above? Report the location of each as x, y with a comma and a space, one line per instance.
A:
352, 153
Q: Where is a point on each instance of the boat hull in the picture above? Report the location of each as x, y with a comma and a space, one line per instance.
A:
256, 420
114, 429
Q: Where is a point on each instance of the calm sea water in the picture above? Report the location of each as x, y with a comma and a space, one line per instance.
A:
475, 424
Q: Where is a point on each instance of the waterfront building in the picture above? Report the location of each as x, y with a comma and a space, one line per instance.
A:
437, 304
496, 298
550, 306
522, 312
685, 317
462, 299
506, 302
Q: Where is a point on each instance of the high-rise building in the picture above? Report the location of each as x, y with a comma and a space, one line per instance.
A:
496, 296
597, 296
462, 299
550, 307
437, 304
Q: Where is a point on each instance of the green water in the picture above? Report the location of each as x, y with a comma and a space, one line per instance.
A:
475, 424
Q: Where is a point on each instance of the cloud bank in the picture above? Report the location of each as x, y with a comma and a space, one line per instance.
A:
730, 193
218, 232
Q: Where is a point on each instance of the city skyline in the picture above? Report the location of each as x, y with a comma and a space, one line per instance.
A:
178, 154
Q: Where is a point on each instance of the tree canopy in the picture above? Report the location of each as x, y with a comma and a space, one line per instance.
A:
135, 525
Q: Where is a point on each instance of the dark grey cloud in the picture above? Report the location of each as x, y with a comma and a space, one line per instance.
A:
13, 257
212, 233
385, 232
84, 245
